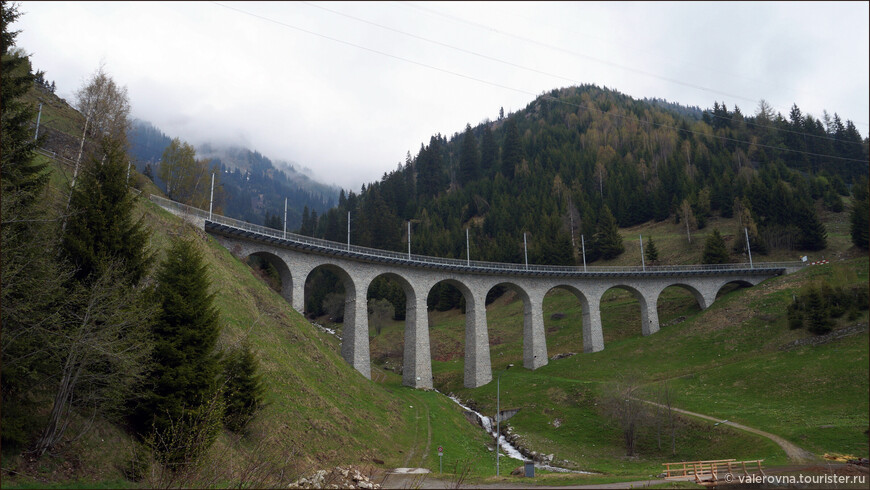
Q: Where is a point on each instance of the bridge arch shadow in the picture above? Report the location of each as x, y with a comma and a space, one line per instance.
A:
331, 290
507, 330
262, 260
471, 347
389, 297
730, 286
564, 326
678, 301
621, 317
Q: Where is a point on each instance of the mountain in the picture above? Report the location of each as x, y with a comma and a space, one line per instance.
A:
552, 169
254, 186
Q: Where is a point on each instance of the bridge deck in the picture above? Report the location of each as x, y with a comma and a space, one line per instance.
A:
324, 247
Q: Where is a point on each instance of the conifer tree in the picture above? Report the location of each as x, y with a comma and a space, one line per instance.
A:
607, 238
817, 312
101, 226
651, 252
813, 236
243, 389
715, 251
30, 275
185, 364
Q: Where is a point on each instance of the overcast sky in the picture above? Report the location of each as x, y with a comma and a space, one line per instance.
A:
346, 89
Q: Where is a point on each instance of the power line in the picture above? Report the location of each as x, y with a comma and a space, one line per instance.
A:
548, 97
578, 82
573, 53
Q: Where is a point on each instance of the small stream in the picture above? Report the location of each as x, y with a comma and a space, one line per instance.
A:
508, 448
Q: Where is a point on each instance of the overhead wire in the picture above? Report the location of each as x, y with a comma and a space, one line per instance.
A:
541, 72
545, 96
581, 55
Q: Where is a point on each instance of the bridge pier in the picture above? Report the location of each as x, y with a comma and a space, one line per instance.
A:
593, 335
355, 336
649, 313
534, 338
478, 368
417, 364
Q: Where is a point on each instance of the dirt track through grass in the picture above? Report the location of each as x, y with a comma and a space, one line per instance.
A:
795, 453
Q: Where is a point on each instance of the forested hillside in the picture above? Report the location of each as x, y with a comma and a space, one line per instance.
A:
579, 162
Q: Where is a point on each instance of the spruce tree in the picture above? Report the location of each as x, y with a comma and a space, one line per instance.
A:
100, 226
813, 235
607, 238
185, 364
30, 275
817, 312
243, 388
715, 251
651, 252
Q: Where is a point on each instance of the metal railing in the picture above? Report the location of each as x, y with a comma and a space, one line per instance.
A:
366, 253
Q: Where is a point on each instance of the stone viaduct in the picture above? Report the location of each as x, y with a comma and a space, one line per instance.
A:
295, 257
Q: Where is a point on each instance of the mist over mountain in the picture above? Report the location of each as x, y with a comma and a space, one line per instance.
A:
254, 186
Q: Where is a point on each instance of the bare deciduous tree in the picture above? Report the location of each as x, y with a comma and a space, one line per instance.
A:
102, 348
106, 106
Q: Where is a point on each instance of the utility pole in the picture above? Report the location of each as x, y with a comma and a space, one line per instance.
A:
409, 239
583, 244
211, 197
747, 247
526, 250
285, 218
642, 262
467, 249
348, 230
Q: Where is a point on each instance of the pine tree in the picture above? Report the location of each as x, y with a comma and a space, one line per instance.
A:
607, 238
715, 251
101, 225
243, 389
651, 252
185, 363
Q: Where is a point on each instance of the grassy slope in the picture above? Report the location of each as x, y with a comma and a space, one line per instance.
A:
725, 362
319, 411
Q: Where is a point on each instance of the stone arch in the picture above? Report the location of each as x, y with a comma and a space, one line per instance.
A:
684, 306
534, 341
478, 370
593, 341
283, 272
740, 283
355, 335
416, 354
649, 318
